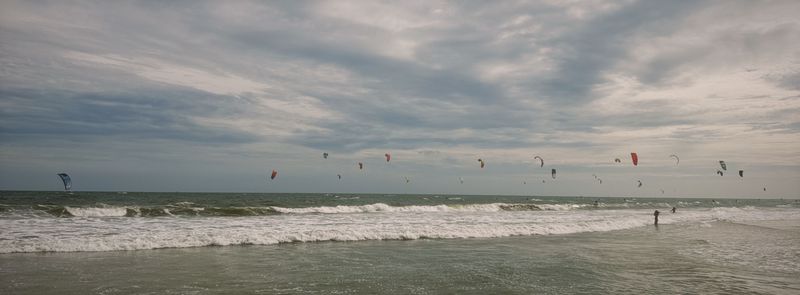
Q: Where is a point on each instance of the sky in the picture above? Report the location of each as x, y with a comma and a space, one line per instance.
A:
212, 96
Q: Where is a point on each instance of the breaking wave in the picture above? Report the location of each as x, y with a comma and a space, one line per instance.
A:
357, 223
191, 209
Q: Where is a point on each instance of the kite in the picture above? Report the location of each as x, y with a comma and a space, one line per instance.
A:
541, 161
66, 180
677, 160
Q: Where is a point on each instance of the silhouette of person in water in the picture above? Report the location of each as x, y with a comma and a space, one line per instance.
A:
656, 215
673, 209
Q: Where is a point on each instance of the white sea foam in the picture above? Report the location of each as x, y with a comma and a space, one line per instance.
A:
380, 207
97, 212
562, 207
410, 222
493, 207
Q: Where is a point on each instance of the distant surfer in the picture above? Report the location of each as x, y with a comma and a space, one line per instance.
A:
656, 215
673, 210
595, 203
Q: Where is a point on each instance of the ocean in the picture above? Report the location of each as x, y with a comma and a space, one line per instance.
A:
245, 243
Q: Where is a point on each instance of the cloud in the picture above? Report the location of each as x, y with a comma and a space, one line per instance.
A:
581, 81
134, 116
158, 71
789, 80
585, 54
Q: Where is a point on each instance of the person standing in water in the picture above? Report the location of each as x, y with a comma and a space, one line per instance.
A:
656, 215
673, 210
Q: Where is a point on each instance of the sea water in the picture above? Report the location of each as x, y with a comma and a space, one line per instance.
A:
197, 243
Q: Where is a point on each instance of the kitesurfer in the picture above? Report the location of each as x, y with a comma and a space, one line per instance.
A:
656, 215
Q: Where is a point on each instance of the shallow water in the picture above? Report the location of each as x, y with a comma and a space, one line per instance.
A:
715, 258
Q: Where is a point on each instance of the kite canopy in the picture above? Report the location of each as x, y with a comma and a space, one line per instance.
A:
388, 157
461, 180
553, 173
482, 163
274, 174
541, 161
617, 160
635, 159
360, 166
677, 160
719, 172
723, 165
66, 180
640, 183
339, 175
325, 155
741, 173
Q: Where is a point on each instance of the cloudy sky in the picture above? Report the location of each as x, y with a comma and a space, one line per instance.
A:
192, 96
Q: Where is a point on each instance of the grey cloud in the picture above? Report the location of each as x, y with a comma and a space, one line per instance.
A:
731, 44
144, 115
600, 44
435, 98
790, 81
390, 76
650, 113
